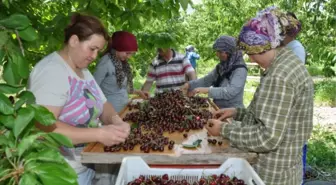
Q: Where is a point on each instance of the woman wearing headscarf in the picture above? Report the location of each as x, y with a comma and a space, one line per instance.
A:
279, 119
114, 73
292, 30
225, 84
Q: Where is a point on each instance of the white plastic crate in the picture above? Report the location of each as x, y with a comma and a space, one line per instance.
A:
132, 167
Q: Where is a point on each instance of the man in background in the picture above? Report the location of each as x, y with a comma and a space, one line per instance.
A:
192, 56
169, 71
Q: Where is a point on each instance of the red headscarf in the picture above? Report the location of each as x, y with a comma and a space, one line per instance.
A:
123, 41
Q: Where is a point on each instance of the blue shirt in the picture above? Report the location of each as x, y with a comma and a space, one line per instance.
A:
298, 50
192, 56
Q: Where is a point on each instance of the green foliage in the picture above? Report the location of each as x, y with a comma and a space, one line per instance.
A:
325, 93
314, 70
163, 24
27, 155
322, 148
253, 71
216, 17
328, 71
205, 66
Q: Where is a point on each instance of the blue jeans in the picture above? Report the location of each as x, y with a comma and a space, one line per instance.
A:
86, 177
304, 160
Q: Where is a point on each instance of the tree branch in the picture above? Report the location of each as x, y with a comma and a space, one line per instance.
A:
88, 5
20, 43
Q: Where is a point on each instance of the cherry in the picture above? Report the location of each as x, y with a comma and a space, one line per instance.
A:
214, 179
142, 178
240, 182
165, 177
214, 176
202, 181
169, 112
137, 181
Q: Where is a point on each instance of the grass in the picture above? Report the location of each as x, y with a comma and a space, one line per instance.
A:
319, 71
325, 93
321, 154
315, 70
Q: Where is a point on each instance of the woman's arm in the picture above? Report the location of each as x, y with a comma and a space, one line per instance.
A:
105, 135
206, 81
235, 86
108, 114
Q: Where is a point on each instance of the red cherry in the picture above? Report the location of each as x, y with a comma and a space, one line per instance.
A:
165, 177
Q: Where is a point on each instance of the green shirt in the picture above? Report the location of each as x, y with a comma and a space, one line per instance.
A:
278, 121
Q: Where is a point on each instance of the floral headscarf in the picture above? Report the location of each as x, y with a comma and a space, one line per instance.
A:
294, 25
264, 32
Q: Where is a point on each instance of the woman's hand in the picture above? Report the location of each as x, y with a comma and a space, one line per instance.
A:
111, 135
223, 114
214, 127
199, 90
120, 124
184, 88
142, 94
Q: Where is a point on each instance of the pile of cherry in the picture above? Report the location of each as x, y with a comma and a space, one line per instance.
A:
166, 112
171, 111
164, 180
148, 141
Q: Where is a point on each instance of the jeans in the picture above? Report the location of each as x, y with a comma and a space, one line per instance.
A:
304, 160
86, 177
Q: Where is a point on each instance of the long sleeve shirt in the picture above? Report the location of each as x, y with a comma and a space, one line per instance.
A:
231, 90
278, 121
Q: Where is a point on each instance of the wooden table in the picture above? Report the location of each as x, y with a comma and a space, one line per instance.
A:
94, 152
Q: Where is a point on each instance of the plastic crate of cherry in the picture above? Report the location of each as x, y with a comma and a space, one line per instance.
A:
234, 171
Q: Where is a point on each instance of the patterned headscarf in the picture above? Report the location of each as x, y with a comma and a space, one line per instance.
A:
228, 44
294, 25
264, 32
122, 41
123, 69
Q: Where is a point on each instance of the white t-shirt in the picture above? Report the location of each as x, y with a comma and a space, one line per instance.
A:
54, 83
